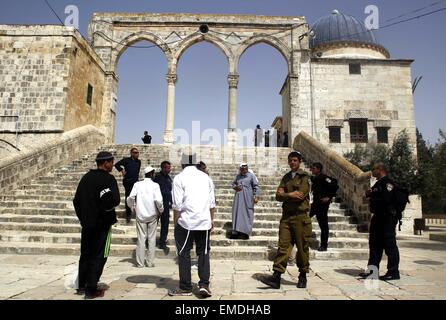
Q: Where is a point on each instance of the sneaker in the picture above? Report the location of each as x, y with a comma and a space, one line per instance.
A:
179, 292
150, 265
273, 281
204, 291
322, 248
302, 282
97, 294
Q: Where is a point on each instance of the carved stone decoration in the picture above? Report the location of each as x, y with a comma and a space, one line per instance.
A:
356, 114
171, 78
334, 123
233, 80
382, 123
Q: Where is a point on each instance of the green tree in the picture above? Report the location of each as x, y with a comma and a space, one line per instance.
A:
403, 165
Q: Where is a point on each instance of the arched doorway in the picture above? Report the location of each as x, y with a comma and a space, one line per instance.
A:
141, 69
263, 71
202, 95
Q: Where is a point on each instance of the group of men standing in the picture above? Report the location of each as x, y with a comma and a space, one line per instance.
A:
191, 195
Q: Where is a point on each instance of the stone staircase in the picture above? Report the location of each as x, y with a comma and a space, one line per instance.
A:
39, 217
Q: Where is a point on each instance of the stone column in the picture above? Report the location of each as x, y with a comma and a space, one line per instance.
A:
232, 109
170, 112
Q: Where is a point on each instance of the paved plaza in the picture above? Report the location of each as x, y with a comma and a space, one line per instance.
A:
423, 276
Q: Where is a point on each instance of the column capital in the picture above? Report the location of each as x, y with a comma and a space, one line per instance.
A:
233, 80
171, 78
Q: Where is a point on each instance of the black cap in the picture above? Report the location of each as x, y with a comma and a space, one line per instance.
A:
295, 154
104, 155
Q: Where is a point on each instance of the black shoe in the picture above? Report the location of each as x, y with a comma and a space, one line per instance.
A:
302, 282
390, 276
80, 291
243, 236
127, 220
273, 281
322, 248
96, 294
234, 236
165, 249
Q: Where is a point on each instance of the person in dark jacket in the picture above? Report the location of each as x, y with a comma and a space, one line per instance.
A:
129, 168
147, 139
321, 185
165, 181
382, 236
95, 200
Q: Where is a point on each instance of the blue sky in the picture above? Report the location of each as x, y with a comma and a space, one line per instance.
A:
202, 89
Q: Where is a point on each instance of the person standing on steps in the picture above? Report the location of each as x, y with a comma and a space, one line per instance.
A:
324, 189
147, 202
295, 224
129, 168
193, 202
258, 136
164, 180
147, 139
96, 198
247, 189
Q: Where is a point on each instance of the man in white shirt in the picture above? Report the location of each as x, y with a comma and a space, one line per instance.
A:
193, 203
146, 199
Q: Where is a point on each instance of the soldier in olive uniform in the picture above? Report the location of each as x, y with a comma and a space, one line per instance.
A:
295, 224
382, 235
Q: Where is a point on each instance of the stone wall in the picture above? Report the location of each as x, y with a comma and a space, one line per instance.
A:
353, 182
19, 169
44, 71
382, 94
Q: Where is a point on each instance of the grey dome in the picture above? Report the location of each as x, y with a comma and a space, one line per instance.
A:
338, 27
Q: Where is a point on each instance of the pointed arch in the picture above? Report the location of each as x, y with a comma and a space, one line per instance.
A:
284, 50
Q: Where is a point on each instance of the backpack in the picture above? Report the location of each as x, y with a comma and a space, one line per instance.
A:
332, 185
401, 199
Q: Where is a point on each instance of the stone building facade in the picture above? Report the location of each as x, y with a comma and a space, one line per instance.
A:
45, 73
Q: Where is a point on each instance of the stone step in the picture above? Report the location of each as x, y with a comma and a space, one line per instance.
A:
217, 239
231, 253
69, 217
48, 227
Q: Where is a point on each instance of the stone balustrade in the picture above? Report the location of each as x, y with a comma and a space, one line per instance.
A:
20, 168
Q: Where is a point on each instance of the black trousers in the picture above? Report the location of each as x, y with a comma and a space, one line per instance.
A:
164, 224
383, 238
95, 244
128, 186
320, 210
184, 240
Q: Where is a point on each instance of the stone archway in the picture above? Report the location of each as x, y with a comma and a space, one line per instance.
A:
111, 33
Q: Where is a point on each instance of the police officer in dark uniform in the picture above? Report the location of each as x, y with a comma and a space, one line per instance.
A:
323, 192
295, 224
129, 168
96, 197
382, 226
165, 181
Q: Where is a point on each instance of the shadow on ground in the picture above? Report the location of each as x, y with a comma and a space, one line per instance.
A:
160, 282
258, 276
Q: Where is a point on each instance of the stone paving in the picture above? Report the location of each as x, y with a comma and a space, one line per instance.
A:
423, 276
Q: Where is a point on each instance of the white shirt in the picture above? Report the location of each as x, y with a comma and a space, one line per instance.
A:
193, 196
149, 201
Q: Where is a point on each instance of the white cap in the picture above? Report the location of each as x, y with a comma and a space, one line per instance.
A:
148, 169
243, 164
